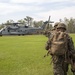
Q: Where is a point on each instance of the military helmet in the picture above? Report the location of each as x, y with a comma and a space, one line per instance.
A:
61, 25
56, 24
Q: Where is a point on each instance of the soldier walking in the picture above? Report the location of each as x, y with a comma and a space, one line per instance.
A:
60, 46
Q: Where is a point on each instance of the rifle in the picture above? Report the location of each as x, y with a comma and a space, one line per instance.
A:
47, 54
47, 47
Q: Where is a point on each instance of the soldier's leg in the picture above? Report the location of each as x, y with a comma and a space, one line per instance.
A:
57, 65
65, 67
57, 69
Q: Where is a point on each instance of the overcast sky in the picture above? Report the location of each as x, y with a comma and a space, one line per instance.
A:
37, 9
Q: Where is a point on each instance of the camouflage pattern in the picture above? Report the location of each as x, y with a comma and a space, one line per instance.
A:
71, 55
59, 67
60, 62
61, 25
50, 35
56, 24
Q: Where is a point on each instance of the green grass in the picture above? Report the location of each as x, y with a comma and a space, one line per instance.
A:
23, 55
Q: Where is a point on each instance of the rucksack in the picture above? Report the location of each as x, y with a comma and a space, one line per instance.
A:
59, 43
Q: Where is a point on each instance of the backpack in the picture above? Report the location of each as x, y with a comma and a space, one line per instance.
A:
59, 43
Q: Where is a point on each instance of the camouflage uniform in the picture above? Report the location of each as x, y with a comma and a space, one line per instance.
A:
60, 67
72, 55
50, 35
56, 24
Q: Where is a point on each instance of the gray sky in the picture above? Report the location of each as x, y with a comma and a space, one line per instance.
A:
37, 9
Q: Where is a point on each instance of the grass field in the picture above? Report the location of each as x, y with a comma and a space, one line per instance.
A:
23, 55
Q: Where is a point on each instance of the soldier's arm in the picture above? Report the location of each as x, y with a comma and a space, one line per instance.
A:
72, 53
47, 44
71, 45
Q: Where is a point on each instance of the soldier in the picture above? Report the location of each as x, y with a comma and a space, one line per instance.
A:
50, 35
58, 59
59, 47
55, 26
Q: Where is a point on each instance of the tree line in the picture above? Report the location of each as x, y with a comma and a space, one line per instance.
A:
70, 24
25, 21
